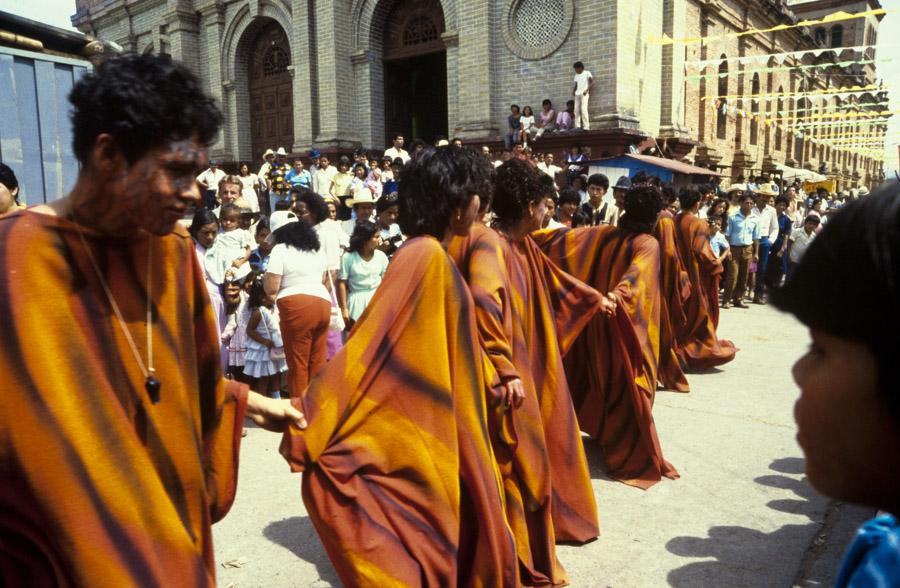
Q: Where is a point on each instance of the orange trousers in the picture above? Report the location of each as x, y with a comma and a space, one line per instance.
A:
304, 328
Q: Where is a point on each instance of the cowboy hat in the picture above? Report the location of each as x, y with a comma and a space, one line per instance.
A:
281, 151
736, 188
623, 183
765, 190
268, 153
279, 218
365, 198
863, 191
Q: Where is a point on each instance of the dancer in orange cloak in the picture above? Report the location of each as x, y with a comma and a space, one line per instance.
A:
399, 476
676, 288
612, 366
529, 312
699, 343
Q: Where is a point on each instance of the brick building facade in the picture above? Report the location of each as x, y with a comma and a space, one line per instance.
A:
339, 74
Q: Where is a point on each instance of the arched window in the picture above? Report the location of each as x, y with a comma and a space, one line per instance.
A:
722, 110
821, 36
837, 36
754, 110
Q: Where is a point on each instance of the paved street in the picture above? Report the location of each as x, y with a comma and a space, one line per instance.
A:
741, 514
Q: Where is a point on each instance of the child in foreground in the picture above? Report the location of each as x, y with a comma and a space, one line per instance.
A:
846, 290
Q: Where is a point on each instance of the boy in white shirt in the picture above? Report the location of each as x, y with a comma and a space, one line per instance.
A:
584, 81
800, 240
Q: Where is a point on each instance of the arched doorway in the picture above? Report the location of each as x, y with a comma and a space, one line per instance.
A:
415, 71
271, 95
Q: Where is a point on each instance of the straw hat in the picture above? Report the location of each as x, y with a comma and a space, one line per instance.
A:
736, 188
268, 153
365, 198
765, 190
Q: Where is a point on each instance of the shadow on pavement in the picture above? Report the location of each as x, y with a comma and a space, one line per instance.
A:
750, 557
595, 459
298, 534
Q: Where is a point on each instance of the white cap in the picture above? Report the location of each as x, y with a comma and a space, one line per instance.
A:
279, 219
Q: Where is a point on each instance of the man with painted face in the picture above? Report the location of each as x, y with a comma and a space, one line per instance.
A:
118, 455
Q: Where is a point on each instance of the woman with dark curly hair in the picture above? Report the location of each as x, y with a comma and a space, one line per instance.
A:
528, 312
612, 367
399, 476
296, 276
362, 268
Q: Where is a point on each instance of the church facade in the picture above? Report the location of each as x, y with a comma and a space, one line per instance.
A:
342, 74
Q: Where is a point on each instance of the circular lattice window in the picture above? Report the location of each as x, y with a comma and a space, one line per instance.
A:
536, 28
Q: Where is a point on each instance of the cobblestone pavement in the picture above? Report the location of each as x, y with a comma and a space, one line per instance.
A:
742, 513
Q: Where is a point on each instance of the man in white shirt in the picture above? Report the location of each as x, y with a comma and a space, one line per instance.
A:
767, 217
363, 209
264, 169
209, 181
799, 242
397, 150
548, 167
584, 81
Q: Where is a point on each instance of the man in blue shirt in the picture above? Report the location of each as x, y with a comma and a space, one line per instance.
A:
742, 233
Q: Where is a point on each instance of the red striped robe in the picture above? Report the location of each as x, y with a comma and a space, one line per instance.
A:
676, 289
701, 346
398, 473
612, 366
523, 305
99, 486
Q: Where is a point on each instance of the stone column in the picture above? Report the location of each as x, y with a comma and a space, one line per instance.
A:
335, 87
301, 55
671, 123
474, 64
211, 27
183, 29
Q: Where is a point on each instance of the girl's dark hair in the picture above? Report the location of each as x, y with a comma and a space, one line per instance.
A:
689, 197
257, 295
580, 219
202, 217
642, 205
262, 223
385, 202
848, 282
316, 205
298, 235
437, 182
143, 101
569, 196
516, 184
362, 233
241, 166
8, 178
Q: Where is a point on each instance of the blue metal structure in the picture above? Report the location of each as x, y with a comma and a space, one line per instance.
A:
35, 130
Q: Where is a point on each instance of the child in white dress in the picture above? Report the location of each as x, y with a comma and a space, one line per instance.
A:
264, 362
227, 259
234, 336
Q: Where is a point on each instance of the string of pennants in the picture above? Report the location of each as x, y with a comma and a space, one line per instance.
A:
764, 70
854, 140
779, 58
845, 92
831, 18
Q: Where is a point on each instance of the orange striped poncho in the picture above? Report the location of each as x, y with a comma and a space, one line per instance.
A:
101, 487
529, 312
612, 365
399, 476
676, 288
701, 346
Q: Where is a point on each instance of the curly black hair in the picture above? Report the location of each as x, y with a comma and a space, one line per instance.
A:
315, 204
143, 101
8, 179
642, 205
362, 232
298, 235
516, 184
436, 183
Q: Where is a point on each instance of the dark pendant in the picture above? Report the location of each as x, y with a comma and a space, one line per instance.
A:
153, 385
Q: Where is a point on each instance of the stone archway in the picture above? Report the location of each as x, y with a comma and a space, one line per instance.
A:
415, 71
270, 89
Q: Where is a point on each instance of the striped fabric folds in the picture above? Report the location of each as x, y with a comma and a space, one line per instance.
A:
100, 487
523, 303
612, 365
399, 476
700, 345
676, 288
